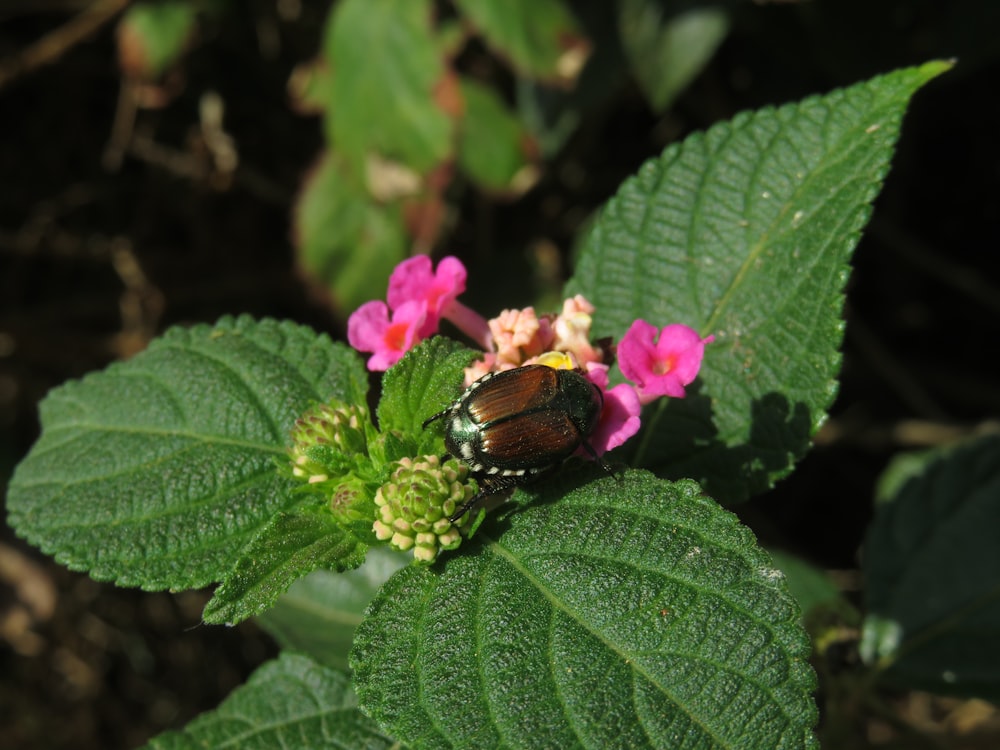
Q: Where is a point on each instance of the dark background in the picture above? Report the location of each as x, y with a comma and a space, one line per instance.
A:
95, 258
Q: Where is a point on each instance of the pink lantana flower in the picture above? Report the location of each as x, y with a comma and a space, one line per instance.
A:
519, 335
522, 337
370, 329
661, 363
418, 299
572, 330
481, 367
415, 280
620, 416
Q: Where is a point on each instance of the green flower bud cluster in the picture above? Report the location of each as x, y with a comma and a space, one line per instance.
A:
414, 505
327, 441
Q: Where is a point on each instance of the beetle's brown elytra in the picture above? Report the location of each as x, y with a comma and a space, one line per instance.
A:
510, 425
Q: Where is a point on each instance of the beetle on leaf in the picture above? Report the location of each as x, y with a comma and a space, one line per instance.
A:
512, 425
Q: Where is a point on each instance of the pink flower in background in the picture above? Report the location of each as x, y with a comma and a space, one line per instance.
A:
418, 298
661, 363
370, 329
415, 280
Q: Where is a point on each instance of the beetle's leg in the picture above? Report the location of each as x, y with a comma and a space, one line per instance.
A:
466, 507
600, 460
488, 486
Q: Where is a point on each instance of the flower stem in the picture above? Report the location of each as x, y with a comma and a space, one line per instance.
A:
649, 423
471, 323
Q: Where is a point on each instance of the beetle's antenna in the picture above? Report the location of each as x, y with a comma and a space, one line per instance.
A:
434, 417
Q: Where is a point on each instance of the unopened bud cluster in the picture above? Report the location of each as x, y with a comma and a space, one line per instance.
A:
414, 506
325, 437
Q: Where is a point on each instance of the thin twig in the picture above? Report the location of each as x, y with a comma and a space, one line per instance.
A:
55, 44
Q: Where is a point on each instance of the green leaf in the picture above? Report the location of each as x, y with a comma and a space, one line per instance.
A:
626, 613
551, 114
666, 53
157, 472
153, 36
534, 35
932, 570
386, 64
422, 383
320, 612
309, 87
289, 702
344, 238
746, 232
291, 546
811, 587
493, 143
902, 468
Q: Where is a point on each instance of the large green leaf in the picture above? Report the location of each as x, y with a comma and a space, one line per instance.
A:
425, 381
932, 573
291, 702
157, 471
289, 547
386, 64
629, 613
745, 232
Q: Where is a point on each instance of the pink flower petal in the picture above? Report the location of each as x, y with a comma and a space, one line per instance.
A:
409, 280
661, 363
619, 418
415, 280
685, 347
369, 329
366, 325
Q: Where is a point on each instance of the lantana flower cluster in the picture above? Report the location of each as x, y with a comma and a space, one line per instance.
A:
415, 506
657, 361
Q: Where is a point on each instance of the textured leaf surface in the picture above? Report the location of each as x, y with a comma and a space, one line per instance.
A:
932, 569
157, 471
745, 232
291, 702
532, 34
425, 381
320, 612
386, 64
629, 613
289, 547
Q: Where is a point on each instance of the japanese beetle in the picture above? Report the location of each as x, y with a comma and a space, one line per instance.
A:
511, 425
